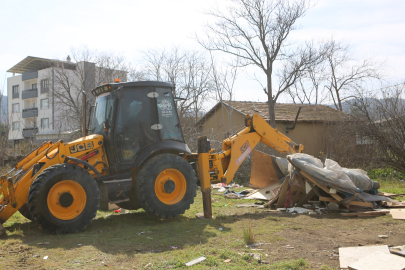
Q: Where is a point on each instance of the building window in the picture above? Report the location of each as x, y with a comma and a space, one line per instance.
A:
16, 108
16, 91
44, 103
45, 123
44, 86
16, 126
34, 86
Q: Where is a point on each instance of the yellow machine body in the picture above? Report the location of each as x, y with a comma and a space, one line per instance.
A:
14, 190
89, 153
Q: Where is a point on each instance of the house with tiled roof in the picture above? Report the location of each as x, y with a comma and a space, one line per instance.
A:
312, 128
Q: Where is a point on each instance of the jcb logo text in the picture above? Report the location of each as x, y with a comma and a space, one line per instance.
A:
81, 147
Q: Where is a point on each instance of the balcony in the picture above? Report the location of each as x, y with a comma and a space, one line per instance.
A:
28, 75
29, 93
31, 112
29, 132
16, 95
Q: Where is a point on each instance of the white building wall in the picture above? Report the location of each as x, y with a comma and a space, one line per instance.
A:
14, 116
44, 113
60, 122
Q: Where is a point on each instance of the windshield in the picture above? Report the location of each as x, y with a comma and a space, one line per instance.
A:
103, 111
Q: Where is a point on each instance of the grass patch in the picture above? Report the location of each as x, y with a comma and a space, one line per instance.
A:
391, 185
290, 265
248, 234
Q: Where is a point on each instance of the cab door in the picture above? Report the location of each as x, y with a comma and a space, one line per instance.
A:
132, 127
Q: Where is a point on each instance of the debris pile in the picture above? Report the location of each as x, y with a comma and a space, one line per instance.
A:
303, 184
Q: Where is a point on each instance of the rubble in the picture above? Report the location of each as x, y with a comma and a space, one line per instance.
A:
309, 179
311, 187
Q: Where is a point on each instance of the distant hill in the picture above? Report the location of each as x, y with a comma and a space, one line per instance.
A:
347, 105
3, 109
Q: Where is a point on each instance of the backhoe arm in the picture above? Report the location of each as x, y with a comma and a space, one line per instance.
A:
221, 167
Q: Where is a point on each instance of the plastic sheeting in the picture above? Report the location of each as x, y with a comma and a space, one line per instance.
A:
327, 177
282, 164
357, 176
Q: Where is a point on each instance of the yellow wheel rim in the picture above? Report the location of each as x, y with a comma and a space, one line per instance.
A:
170, 186
66, 200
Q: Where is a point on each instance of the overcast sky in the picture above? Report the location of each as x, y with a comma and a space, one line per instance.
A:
49, 29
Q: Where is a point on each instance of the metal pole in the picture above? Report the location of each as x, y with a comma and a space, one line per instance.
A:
84, 131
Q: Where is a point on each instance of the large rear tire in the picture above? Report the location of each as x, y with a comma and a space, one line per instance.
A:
64, 198
166, 186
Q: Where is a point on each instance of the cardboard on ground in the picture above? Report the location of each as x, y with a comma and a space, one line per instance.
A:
266, 193
398, 213
349, 255
379, 261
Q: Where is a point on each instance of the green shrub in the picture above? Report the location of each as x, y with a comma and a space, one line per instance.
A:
385, 173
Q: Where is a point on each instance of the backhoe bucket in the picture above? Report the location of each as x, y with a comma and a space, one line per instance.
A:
265, 169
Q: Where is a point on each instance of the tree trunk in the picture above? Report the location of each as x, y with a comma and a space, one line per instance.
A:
270, 101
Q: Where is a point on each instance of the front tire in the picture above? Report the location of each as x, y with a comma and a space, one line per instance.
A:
64, 198
166, 186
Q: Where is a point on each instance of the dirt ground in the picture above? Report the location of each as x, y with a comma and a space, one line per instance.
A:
318, 240
136, 240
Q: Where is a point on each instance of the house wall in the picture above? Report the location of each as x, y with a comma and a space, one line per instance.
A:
223, 123
313, 135
310, 134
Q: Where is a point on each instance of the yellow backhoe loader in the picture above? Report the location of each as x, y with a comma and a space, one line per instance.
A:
134, 156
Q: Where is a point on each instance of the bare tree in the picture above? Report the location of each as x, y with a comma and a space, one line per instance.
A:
190, 72
84, 70
308, 89
223, 79
381, 125
344, 75
337, 77
256, 32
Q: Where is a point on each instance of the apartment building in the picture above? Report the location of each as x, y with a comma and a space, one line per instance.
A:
33, 109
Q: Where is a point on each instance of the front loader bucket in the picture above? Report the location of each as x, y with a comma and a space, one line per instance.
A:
265, 170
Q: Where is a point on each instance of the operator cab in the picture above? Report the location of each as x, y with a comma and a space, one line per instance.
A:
137, 120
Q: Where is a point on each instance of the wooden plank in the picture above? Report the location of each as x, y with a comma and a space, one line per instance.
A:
195, 261
349, 255
379, 261
326, 189
399, 250
327, 199
390, 194
365, 204
367, 213
283, 192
